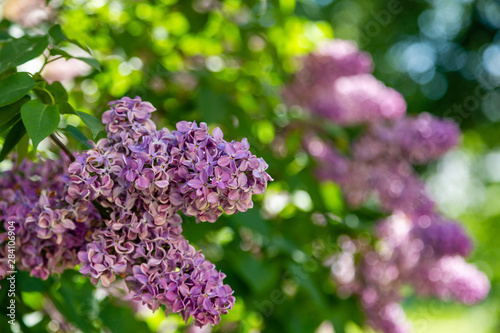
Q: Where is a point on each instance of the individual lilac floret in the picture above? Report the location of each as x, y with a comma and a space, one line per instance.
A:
452, 278
49, 232
425, 138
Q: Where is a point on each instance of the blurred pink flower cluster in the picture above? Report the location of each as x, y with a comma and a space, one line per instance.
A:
415, 246
28, 13
335, 83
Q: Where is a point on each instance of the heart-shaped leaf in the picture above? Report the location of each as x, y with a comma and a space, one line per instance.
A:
40, 120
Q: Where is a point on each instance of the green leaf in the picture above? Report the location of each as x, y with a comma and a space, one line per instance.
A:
22, 148
14, 87
9, 72
60, 52
44, 95
15, 135
58, 92
9, 113
40, 120
80, 45
92, 122
91, 61
50, 94
66, 108
21, 50
11, 122
120, 318
75, 300
5, 37
78, 135
57, 35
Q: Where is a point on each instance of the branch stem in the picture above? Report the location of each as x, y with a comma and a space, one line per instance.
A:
61, 145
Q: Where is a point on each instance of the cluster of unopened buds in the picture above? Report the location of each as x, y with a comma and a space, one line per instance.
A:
141, 178
416, 245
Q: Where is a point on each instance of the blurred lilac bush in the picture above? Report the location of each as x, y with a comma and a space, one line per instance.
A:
335, 83
416, 246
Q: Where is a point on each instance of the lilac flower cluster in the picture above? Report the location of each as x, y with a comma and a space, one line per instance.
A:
382, 161
406, 255
144, 177
49, 232
187, 169
335, 83
160, 268
416, 245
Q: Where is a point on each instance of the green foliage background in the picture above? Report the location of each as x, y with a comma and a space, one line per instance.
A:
224, 63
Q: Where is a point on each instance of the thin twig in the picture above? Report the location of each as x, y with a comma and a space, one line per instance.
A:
61, 145
54, 59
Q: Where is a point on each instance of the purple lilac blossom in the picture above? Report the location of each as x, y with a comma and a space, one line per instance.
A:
405, 255
442, 237
415, 244
187, 169
145, 177
160, 268
49, 232
332, 60
452, 278
356, 99
334, 165
387, 317
335, 83
382, 163
425, 138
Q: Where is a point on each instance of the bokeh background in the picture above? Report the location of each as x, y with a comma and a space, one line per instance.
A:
224, 63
